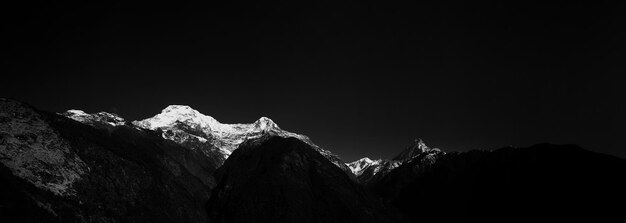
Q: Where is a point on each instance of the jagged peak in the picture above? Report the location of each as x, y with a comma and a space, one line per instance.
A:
419, 144
264, 119
265, 123
364, 160
357, 167
417, 147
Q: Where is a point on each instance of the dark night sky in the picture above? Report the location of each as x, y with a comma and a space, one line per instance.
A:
360, 78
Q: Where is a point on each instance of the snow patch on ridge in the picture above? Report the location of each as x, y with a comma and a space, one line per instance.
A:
92, 119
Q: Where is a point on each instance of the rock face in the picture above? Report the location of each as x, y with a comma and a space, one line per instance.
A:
54, 169
32, 150
368, 171
541, 183
276, 179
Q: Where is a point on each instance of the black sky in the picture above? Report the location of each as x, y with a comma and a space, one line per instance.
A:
360, 78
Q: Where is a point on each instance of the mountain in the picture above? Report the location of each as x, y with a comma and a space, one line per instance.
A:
276, 179
224, 136
357, 167
182, 123
196, 131
80, 167
545, 182
183, 166
370, 171
55, 169
417, 148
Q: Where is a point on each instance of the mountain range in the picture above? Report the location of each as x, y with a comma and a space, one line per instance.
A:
183, 166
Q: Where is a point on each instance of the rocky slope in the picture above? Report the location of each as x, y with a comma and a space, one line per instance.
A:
275, 179
54, 169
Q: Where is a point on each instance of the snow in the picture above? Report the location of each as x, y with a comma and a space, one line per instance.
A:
77, 112
181, 123
419, 147
226, 137
91, 119
200, 139
357, 167
77, 115
174, 114
377, 166
185, 114
265, 123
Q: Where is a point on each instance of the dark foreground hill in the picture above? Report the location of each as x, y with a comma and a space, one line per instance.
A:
545, 183
285, 180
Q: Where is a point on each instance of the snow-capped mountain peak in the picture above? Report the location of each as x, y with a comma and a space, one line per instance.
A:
181, 113
179, 109
265, 123
418, 147
367, 170
190, 128
181, 122
230, 135
175, 114
419, 144
357, 167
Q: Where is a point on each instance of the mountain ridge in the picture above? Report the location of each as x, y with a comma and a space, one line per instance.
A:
545, 182
54, 168
197, 131
276, 179
369, 171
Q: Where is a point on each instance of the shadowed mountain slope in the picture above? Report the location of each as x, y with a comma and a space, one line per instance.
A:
54, 169
285, 180
541, 183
